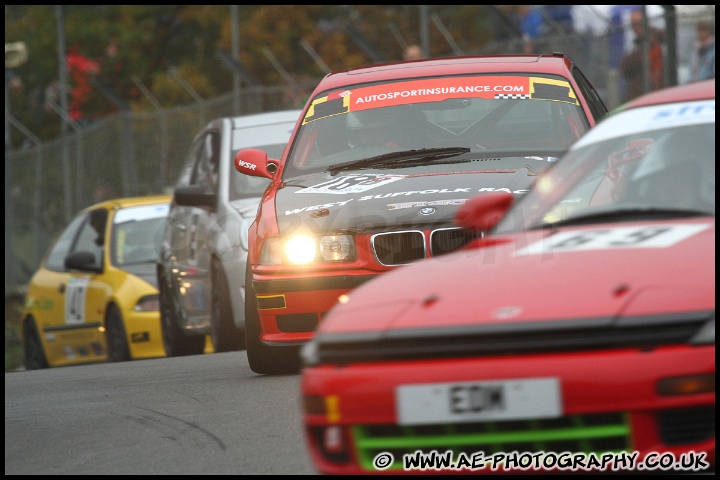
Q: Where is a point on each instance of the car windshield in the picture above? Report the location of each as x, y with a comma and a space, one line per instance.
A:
137, 233
480, 113
644, 163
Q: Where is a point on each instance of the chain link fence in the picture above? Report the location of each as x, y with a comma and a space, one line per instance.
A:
131, 154
122, 155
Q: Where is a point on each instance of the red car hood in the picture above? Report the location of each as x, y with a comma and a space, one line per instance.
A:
520, 279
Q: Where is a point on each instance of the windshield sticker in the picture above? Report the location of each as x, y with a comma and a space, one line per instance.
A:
439, 89
543, 159
332, 104
142, 212
684, 113
655, 236
646, 119
351, 183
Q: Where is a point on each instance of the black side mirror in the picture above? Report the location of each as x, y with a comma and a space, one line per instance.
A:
194, 196
84, 261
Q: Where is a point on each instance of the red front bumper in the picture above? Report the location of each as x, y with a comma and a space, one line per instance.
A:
362, 398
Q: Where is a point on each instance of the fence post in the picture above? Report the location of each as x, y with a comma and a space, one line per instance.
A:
129, 171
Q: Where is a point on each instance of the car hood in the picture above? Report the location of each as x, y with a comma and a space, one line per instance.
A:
359, 201
517, 279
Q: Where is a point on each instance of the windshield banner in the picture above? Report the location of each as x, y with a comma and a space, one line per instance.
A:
438, 90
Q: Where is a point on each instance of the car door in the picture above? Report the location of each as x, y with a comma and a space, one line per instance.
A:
77, 295
49, 285
190, 226
87, 290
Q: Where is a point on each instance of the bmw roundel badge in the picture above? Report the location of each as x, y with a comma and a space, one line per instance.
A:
427, 211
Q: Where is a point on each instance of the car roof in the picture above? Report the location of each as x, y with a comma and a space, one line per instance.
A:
703, 90
555, 63
124, 202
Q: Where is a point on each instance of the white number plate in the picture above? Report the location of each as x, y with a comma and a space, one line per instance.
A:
478, 401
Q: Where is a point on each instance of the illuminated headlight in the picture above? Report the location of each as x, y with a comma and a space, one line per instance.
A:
304, 249
148, 303
706, 334
300, 249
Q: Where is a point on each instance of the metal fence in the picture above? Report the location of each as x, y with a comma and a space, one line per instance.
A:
122, 155
141, 153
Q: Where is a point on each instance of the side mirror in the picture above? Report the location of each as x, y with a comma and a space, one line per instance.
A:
255, 162
82, 260
194, 196
484, 211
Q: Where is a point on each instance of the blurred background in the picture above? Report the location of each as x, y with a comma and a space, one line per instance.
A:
103, 101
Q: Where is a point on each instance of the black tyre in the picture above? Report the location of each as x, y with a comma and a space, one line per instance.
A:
262, 358
33, 352
116, 337
176, 343
225, 336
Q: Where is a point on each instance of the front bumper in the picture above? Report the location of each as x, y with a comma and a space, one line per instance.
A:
144, 335
291, 309
617, 389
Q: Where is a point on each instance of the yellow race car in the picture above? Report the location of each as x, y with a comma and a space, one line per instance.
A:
94, 297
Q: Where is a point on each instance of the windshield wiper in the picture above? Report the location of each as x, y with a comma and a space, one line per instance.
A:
398, 158
624, 214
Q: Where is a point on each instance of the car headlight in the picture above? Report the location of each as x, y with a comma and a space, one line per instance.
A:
148, 303
336, 247
300, 249
706, 334
303, 249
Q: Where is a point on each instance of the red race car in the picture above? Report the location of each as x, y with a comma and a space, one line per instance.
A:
376, 167
577, 336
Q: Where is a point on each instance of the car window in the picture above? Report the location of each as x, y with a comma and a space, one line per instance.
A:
137, 234
61, 247
666, 169
206, 166
91, 237
595, 103
188, 168
137, 241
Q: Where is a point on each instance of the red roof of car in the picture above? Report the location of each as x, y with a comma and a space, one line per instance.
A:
702, 90
544, 64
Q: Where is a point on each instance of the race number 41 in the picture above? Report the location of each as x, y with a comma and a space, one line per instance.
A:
75, 294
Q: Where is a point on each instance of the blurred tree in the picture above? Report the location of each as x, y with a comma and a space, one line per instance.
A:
146, 41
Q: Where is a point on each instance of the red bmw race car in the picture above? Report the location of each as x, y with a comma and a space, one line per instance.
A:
577, 336
376, 167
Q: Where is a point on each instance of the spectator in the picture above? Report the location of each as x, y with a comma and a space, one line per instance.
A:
80, 69
51, 96
703, 66
632, 67
413, 52
531, 25
102, 192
